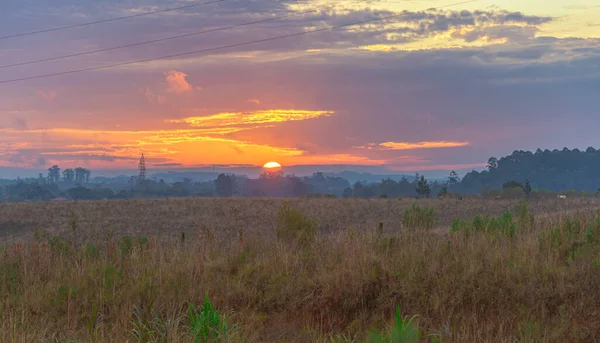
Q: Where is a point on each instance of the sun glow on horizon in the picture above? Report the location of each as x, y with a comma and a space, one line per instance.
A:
272, 165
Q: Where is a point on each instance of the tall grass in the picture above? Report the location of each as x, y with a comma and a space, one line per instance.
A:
293, 225
417, 218
483, 283
403, 330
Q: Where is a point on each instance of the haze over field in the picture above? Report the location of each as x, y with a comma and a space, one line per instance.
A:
426, 90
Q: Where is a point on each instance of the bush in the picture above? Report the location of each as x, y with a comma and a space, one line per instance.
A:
416, 217
501, 225
592, 235
525, 218
292, 225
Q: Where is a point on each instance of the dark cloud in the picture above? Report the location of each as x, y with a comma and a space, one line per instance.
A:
167, 164
20, 123
88, 157
26, 158
406, 27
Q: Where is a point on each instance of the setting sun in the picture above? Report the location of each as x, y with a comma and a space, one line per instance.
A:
272, 165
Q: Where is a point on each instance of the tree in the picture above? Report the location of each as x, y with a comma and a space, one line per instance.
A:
81, 193
295, 186
492, 163
512, 184
69, 175
225, 185
527, 188
423, 188
80, 175
453, 179
359, 190
53, 174
271, 175
417, 177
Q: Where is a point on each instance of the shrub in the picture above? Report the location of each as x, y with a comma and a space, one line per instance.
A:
126, 245
502, 225
416, 217
292, 225
525, 218
592, 235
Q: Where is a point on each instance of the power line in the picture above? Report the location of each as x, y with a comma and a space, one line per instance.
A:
108, 20
219, 48
153, 41
49, 59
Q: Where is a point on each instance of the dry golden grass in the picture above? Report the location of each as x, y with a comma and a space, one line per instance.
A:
538, 286
168, 218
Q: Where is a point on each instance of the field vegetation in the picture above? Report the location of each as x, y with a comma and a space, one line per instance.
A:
302, 270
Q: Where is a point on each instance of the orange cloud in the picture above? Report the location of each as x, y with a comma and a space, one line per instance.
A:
177, 82
255, 101
246, 118
413, 146
187, 147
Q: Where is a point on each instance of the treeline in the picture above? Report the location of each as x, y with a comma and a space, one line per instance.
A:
556, 171
522, 173
226, 185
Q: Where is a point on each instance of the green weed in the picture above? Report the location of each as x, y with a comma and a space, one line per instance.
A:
208, 325
402, 331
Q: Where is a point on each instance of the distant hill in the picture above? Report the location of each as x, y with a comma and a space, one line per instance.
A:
556, 170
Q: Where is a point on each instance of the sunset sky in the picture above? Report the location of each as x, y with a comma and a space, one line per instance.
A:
427, 89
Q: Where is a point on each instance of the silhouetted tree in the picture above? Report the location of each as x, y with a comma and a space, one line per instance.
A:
423, 188
69, 175
527, 188
453, 179
225, 185
295, 186
54, 173
512, 184
552, 170
492, 163
80, 175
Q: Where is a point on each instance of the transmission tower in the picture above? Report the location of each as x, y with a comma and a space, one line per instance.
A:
142, 168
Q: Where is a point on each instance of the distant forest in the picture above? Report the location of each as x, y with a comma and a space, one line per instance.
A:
556, 170
522, 173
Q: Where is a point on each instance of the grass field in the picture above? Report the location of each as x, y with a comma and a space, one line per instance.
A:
168, 218
311, 270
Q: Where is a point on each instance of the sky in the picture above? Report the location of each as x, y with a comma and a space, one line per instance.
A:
430, 84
